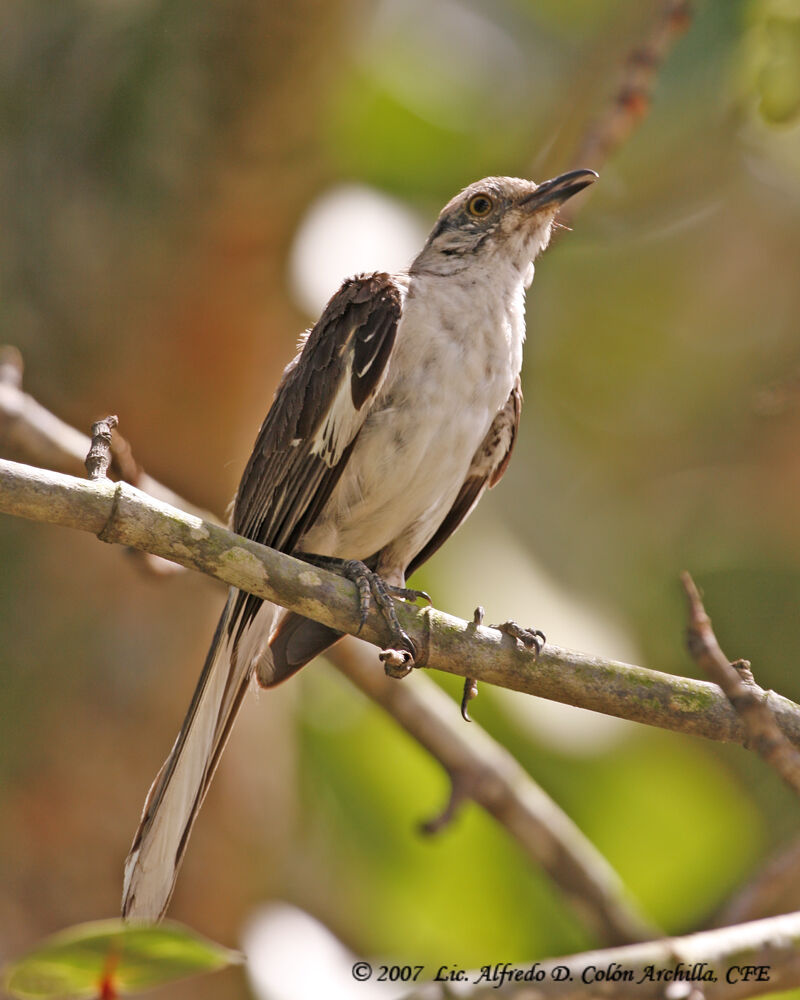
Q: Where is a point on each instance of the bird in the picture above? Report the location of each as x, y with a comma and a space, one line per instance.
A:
399, 410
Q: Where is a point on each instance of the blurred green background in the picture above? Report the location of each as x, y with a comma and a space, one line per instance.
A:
158, 158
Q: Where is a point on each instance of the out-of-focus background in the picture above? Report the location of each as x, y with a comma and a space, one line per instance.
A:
181, 185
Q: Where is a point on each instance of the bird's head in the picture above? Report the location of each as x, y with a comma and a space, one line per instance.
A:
503, 217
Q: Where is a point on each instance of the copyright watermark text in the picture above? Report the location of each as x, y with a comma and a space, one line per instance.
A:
504, 972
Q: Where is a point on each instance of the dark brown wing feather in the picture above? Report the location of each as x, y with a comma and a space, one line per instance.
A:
488, 465
312, 425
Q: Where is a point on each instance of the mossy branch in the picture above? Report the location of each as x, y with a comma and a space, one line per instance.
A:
117, 512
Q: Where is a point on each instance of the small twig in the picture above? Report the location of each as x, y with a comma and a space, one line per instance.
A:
746, 697
99, 457
633, 96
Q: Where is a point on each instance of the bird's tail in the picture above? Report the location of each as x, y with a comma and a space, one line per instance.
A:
180, 786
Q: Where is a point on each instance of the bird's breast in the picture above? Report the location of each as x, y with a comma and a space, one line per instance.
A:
457, 354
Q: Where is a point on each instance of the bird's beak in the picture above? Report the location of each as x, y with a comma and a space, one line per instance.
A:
558, 189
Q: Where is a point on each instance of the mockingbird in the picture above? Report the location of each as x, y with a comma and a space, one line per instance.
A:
400, 408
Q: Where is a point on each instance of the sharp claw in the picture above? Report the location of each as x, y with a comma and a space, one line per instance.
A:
470, 692
531, 638
407, 594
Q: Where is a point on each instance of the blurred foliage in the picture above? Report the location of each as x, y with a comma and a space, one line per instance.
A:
775, 55
157, 157
108, 958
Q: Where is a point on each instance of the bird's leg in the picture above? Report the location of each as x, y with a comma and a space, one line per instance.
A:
531, 638
372, 587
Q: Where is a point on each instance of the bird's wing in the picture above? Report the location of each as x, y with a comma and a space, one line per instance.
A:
318, 411
486, 469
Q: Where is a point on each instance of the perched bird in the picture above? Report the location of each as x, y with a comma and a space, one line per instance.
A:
400, 408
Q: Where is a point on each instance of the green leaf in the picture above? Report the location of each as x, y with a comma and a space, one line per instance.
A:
107, 958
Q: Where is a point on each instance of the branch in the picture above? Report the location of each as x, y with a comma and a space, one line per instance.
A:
730, 953
482, 770
747, 698
632, 96
634, 92
117, 512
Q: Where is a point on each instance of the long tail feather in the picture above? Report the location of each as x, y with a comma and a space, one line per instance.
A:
180, 786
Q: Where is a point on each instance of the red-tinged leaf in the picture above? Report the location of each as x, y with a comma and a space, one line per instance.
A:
109, 958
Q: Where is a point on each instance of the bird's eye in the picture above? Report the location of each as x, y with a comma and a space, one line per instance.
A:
480, 206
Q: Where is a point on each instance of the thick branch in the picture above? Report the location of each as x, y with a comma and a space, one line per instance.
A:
120, 513
726, 953
482, 770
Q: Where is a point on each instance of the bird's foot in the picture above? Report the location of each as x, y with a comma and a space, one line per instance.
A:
531, 638
398, 659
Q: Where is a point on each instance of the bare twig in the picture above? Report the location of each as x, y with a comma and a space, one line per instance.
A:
747, 698
631, 99
729, 963
483, 771
633, 96
120, 513
99, 457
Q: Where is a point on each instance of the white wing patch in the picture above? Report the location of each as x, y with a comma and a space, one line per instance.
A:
341, 422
